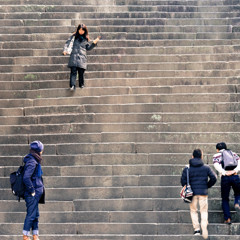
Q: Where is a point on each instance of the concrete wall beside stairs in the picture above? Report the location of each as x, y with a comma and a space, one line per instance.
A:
163, 80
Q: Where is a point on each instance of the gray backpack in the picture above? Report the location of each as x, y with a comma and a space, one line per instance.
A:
228, 160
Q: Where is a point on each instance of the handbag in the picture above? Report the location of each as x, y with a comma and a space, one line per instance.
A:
69, 48
186, 192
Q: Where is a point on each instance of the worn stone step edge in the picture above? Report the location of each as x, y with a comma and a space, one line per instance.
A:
128, 36
230, 73
121, 228
136, 58
121, 117
118, 22
129, 147
24, 108
208, 89
122, 237
117, 3
130, 217
107, 159
116, 137
127, 44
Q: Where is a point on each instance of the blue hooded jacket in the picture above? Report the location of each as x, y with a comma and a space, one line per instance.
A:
201, 177
33, 176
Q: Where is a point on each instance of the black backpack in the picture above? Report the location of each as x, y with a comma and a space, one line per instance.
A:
17, 185
228, 160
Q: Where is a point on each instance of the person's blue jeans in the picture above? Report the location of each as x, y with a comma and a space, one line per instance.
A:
31, 220
226, 183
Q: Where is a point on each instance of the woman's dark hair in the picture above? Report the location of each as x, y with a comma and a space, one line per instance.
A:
85, 35
221, 145
197, 153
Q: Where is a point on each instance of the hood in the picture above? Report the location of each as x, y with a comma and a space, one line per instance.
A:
29, 157
196, 162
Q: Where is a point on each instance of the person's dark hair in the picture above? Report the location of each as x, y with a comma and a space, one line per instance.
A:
85, 35
221, 145
197, 153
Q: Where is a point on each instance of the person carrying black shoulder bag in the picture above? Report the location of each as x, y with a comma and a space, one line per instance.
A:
201, 177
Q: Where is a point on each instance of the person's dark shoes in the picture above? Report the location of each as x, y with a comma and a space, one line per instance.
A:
72, 88
197, 233
228, 221
237, 208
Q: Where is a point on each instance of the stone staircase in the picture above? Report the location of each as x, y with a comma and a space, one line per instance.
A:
163, 80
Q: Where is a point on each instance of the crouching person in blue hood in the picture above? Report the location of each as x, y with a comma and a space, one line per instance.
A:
34, 189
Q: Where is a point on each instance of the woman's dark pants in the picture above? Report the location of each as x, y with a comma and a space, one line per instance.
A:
73, 76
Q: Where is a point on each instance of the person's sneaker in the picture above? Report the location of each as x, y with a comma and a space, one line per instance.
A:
228, 221
237, 208
196, 233
82, 86
205, 232
72, 88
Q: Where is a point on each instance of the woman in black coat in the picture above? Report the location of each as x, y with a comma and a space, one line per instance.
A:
77, 46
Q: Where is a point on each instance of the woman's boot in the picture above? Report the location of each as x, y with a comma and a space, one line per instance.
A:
35, 237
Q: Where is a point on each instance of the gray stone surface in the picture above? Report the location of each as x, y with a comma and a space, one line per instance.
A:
163, 80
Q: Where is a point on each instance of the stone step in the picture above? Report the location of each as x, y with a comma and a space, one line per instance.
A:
162, 73
139, 98
108, 101
105, 8
126, 83
117, 66
210, 90
120, 14
40, 23
221, 73
148, 58
130, 179
118, 2
206, 127
120, 22
108, 159
168, 53
125, 36
49, 206
104, 170
121, 29
105, 103
32, 85
118, 180
115, 137
170, 46
121, 118
157, 108
122, 229
115, 217
70, 194
142, 204
185, 236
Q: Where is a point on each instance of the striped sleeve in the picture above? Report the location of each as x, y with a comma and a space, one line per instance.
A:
217, 158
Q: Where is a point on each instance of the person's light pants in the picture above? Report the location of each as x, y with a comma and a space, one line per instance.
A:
203, 204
